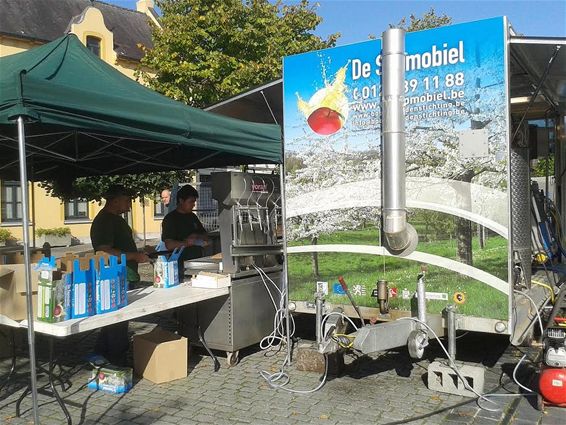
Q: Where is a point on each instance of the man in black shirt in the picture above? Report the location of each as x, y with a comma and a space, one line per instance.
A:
182, 228
112, 234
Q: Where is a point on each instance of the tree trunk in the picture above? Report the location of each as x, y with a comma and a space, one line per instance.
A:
463, 226
464, 234
315, 271
481, 236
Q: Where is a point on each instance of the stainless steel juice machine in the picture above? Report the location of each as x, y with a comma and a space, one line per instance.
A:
249, 217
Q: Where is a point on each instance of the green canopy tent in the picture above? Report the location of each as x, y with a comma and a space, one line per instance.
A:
64, 112
85, 118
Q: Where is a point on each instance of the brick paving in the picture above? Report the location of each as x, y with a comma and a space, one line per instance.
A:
385, 388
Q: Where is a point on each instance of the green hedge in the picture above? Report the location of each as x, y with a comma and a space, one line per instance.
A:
54, 231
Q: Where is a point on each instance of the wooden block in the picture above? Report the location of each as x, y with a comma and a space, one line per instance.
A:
310, 360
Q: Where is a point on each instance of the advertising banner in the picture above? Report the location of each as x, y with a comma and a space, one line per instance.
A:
456, 111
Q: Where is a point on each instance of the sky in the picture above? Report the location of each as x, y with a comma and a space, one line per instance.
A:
357, 19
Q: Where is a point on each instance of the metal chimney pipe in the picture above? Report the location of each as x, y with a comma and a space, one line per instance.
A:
400, 238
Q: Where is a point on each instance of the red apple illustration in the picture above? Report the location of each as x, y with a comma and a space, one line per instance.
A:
327, 109
58, 310
325, 121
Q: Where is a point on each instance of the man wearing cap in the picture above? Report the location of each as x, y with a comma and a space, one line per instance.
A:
112, 234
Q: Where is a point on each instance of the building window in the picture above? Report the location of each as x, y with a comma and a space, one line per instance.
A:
11, 201
76, 209
159, 210
93, 44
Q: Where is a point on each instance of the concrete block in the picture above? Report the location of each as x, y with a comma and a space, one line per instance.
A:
443, 378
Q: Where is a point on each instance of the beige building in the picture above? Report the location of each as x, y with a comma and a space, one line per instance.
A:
117, 36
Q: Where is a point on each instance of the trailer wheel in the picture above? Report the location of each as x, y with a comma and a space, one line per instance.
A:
416, 344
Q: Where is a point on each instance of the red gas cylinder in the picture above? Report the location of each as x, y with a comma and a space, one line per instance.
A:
552, 385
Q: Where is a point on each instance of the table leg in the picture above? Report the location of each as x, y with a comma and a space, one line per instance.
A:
13, 366
52, 384
20, 399
53, 393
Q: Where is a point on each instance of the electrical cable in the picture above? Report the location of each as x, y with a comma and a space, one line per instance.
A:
337, 313
549, 253
444, 409
554, 233
466, 385
544, 285
273, 378
554, 226
548, 275
536, 310
450, 360
279, 334
515, 375
343, 340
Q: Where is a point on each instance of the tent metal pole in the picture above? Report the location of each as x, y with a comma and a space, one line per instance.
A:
33, 219
25, 228
284, 279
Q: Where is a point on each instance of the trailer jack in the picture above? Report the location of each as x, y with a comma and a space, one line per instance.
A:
382, 336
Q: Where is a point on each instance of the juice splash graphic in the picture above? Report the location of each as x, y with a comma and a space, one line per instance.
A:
327, 110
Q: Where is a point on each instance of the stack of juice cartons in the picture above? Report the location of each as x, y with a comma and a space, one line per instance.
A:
79, 287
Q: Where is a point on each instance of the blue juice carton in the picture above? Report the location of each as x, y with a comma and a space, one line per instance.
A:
83, 294
53, 292
166, 269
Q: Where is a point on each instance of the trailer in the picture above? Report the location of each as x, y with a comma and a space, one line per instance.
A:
482, 107
466, 114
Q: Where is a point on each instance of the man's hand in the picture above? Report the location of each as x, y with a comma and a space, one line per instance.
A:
140, 257
197, 240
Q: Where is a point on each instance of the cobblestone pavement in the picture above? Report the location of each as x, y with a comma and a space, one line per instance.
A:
385, 388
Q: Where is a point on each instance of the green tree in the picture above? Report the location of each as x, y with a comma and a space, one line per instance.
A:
429, 20
93, 188
205, 51
544, 167
208, 50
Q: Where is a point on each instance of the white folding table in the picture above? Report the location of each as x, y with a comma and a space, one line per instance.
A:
141, 302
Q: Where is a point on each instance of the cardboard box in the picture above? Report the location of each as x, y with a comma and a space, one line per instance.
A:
160, 356
211, 280
18, 257
67, 261
13, 290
